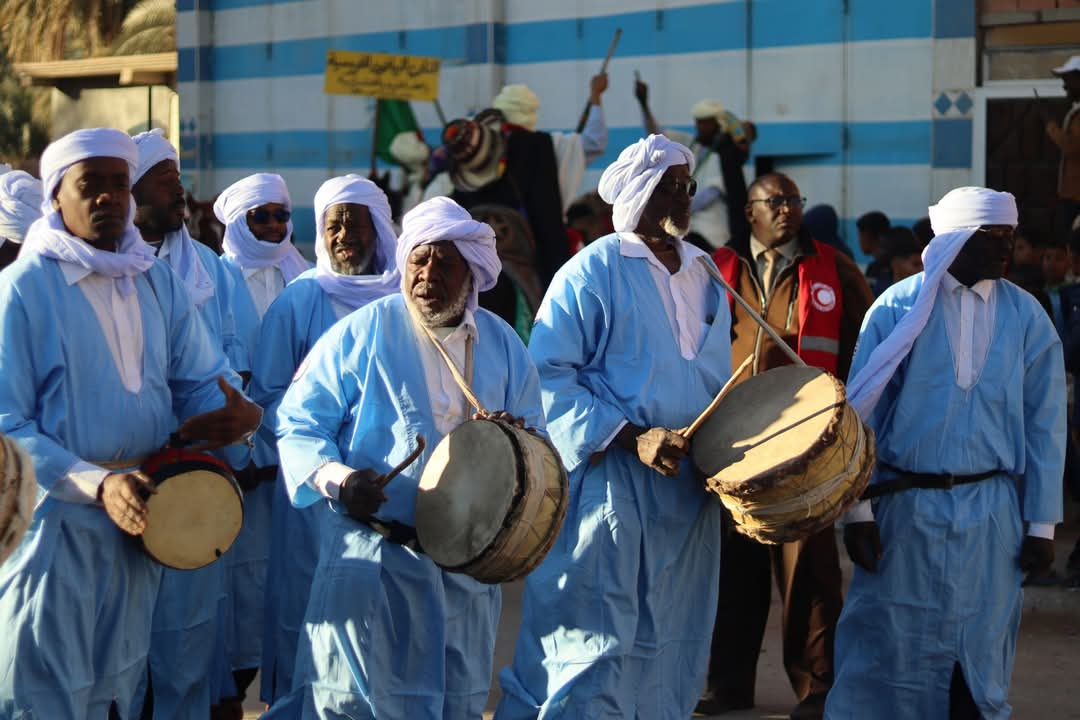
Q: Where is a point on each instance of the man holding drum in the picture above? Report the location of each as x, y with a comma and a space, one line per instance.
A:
956, 372
184, 642
813, 297
388, 633
355, 245
102, 351
632, 341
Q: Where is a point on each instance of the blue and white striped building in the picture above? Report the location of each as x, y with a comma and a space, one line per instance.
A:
867, 104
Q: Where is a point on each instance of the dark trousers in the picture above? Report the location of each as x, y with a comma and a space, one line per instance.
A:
808, 575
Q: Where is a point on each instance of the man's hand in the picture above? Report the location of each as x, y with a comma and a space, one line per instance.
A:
1036, 555
641, 92
121, 494
657, 448
238, 418
597, 85
862, 540
501, 416
362, 494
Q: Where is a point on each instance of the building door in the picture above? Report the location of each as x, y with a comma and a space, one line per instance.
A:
1021, 158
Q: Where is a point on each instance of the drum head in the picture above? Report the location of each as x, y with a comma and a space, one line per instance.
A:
466, 492
767, 422
193, 519
18, 494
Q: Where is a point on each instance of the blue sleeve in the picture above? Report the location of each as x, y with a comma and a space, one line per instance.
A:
1044, 423
18, 396
272, 368
312, 413
523, 388
569, 335
223, 295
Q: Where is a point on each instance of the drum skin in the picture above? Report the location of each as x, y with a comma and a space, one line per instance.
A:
18, 495
197, 511
786, 453
491, 501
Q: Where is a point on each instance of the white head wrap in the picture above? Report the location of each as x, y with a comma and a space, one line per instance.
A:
20, 204
707, 109
4, 168
356, 291
519, 105
182, 257
628, 183
441, 218
954, 219
49, 237
240, 243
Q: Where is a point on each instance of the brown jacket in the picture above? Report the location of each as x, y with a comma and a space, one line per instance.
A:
1068, 140
782, 310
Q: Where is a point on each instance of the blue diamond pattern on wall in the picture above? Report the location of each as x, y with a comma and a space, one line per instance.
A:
964, 103
943, 103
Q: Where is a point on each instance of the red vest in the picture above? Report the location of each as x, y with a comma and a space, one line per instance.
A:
819, 302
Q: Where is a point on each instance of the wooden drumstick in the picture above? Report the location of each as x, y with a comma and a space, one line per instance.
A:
711, 269
396, 470
707, 412
603, 69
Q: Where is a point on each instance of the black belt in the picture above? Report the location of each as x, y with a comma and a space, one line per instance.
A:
396, 532
925, 481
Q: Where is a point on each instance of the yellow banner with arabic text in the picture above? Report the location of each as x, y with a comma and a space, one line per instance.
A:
389, 77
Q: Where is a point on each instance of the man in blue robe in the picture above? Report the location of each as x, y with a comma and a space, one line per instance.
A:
355, 244
952, 371
262, 260
388, 634
103, 352
187, 661
632, 341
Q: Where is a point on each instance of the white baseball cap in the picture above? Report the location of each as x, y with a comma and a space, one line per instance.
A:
1071, 65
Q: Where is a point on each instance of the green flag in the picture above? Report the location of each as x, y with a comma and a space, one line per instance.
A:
392, 117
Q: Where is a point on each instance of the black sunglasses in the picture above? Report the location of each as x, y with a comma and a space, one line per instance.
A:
261, 216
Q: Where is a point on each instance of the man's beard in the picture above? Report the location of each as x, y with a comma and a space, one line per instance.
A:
352, 269
669, 226
160, 221
453, 311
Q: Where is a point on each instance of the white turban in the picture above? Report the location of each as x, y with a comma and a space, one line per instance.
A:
153, 148
356, 291
20, 204
409, 150
628, 183
707, 109
954, 219
49, 237
441, 219
240, 244
518, 104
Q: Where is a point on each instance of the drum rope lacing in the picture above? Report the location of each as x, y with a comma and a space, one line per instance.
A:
807, 500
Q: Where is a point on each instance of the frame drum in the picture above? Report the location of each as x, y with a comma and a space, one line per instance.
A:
491, 501
18, 495
786, 453
197, 511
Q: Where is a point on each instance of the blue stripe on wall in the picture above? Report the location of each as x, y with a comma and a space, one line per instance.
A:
952, 142
890, 143
187, 5
954, 19
701, 28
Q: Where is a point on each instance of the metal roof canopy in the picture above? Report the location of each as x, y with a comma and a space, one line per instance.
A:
107, 71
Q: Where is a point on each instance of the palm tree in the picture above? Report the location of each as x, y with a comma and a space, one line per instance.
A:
150, 27
60, 29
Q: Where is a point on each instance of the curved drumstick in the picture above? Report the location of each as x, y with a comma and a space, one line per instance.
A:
707, 412
409, 460
711, 269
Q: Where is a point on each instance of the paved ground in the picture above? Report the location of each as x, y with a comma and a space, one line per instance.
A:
1045, 675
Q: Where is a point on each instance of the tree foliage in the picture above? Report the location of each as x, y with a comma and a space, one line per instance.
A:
150, 27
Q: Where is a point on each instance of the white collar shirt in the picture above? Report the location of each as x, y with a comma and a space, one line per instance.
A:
969, 322
683, 293
264, 284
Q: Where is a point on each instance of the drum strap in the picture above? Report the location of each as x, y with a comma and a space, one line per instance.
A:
926, 481
397, 533
462, 383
